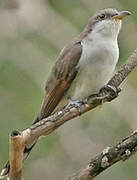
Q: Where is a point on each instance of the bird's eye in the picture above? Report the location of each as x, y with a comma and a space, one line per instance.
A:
102, 16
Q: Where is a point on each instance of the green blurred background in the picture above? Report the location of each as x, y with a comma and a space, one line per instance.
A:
32, 33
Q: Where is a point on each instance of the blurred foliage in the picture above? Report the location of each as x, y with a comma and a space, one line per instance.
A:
73, 11
32, 34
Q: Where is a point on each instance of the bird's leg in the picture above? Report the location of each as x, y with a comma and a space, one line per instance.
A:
113, 91
75, 103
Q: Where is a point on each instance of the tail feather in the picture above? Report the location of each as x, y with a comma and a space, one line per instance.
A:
5, 171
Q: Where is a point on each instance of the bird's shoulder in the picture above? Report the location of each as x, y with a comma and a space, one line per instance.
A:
65, 68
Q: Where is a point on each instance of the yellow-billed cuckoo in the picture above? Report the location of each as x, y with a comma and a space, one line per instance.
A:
84, 65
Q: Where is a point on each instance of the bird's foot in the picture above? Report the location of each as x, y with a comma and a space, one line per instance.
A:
113, 91
75, 103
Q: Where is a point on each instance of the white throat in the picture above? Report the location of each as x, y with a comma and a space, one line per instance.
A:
107, 28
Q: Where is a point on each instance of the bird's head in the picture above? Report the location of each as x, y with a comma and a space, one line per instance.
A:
107, 22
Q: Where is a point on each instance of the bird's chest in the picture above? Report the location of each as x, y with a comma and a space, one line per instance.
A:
96, 65
99, 54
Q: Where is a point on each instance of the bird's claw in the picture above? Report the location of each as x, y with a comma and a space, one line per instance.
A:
113, 91
75, 103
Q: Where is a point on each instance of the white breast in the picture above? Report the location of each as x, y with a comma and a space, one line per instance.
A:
96, 65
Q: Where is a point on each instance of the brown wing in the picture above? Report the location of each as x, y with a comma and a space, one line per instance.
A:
61, 77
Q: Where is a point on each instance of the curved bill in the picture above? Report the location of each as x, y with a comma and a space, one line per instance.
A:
121, 15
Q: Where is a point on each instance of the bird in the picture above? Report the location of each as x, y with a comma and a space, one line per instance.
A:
83, 66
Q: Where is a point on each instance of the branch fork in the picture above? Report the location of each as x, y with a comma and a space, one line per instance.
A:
108, 157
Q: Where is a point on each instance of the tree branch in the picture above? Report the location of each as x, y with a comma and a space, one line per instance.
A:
109, 156
48, 125
16, 156
131, 63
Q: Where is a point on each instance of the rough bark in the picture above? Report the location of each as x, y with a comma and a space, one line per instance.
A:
109, 156
16, 156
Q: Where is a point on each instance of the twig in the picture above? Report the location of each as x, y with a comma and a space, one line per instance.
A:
109, 156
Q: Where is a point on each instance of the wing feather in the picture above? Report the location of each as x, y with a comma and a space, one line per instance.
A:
61, 77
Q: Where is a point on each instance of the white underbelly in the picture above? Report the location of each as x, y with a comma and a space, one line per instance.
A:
96, 67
